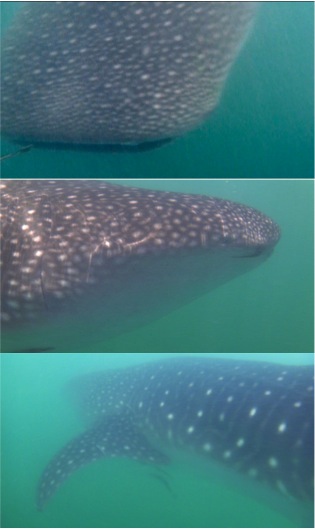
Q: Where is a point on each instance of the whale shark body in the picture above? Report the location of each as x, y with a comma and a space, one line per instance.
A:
91, 260
255, 419
117, 73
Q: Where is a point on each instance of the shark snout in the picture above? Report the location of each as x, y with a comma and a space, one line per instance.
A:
236, 226
261, 233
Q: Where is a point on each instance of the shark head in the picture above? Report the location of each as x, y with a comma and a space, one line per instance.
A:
90, 259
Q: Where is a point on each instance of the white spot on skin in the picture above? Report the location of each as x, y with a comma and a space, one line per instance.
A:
200, 414
282, 488
282, 427
273, 462
221, 417
13, 304
207, 447
252, 472
240, 443
170, 416
227, 454
230, 399
146, 51
253, 412
190, 430
209, 392
297, 404
267, 393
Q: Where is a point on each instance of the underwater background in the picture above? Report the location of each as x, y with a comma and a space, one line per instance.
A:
262, 128
38, 419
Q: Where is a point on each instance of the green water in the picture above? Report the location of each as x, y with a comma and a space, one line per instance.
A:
38, 420
263, 127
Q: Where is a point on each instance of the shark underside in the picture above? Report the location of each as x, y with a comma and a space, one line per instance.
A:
127, 75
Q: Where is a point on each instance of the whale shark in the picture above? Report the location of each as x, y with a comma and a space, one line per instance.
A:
117, 73
253, 419
89, 260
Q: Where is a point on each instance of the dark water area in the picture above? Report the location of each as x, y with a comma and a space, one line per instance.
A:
262, 128
38, 419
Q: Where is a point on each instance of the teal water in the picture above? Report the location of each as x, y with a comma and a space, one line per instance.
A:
263, 127
37, 420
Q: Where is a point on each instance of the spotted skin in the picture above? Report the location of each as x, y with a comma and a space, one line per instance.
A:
115, 437
253, 418
117, 72
90, 260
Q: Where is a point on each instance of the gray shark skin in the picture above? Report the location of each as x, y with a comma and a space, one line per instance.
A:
91, 260
120, 73
254, 419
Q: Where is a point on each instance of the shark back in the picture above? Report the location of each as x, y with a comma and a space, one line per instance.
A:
119, 73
